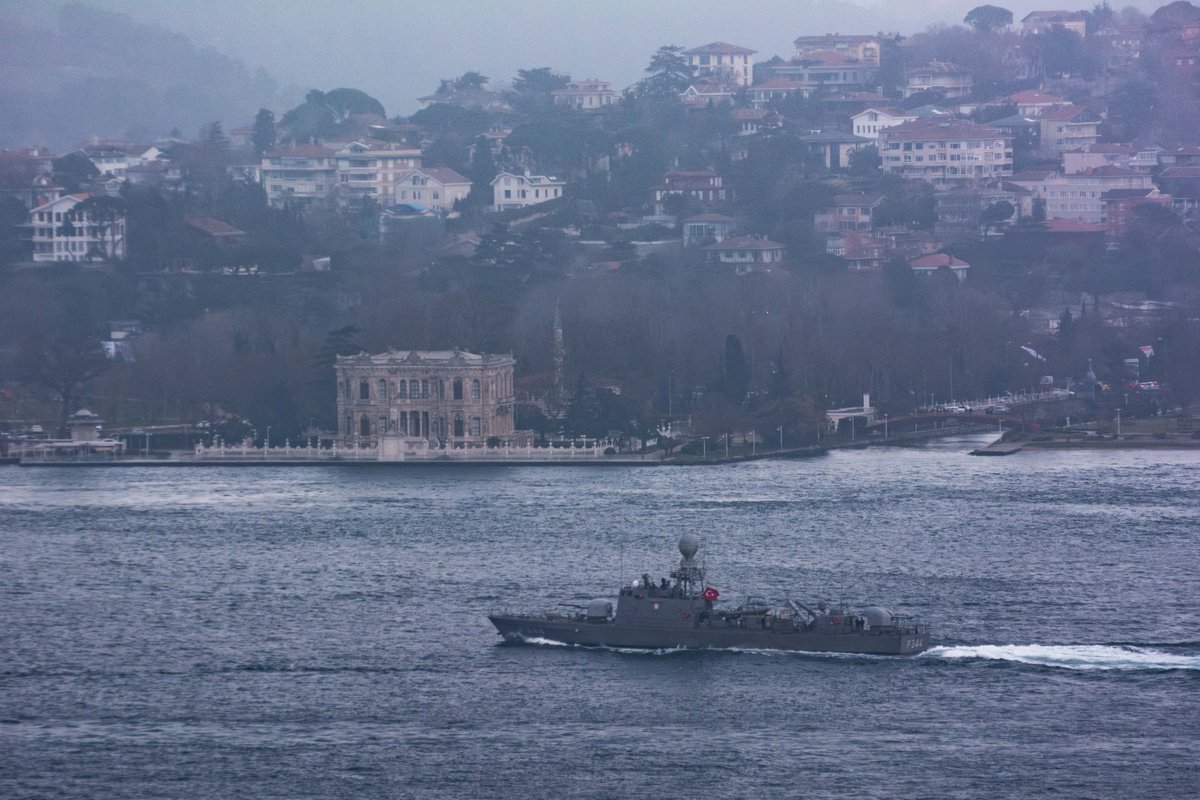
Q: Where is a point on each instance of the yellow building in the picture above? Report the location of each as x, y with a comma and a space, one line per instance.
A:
440, 396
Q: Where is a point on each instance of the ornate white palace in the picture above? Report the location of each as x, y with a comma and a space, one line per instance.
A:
406, 400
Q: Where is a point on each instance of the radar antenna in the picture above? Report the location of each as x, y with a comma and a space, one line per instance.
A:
689, 575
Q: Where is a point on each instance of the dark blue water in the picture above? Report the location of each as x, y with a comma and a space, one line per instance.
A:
288, 633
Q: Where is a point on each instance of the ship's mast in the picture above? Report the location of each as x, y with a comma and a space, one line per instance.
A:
689, 576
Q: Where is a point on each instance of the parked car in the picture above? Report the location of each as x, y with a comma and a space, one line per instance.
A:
998, 409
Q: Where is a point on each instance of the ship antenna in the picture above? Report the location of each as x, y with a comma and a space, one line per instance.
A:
689, 574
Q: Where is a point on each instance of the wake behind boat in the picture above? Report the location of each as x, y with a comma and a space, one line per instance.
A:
681, 612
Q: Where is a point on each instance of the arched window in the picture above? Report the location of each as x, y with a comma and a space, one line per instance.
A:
381, 389
458, 395
402, 387
441, 390
364, 389
475, 389
364, 426
425, 389
458, 425
383, 426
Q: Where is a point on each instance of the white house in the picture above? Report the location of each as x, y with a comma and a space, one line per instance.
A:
519, 191
946, 151
870, 121
438, 188
722, 62
746, 253
588, 95
60, 233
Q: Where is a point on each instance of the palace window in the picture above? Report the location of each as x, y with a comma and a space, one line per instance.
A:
383, 425
364, 426
402, 388
364, 389
381, 386
425, 389
475, 389
458, 389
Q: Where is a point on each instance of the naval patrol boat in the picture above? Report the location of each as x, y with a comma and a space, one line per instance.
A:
682, 612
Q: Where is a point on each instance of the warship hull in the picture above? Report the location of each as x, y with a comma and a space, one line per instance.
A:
526, 628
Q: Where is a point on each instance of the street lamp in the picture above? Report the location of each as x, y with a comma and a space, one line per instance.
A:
268, 441
753, 443
780, 429
885, 426
704, 447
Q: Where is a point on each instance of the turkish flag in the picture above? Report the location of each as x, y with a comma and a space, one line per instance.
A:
710, 593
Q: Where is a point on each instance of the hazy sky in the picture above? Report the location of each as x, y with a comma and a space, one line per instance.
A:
397, 50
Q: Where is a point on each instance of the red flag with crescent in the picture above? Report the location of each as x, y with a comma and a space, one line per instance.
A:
710, 593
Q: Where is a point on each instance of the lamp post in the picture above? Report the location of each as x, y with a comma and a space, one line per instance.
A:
753, 443
704, 447
780, 429
726, 445
885, 427
1118, 421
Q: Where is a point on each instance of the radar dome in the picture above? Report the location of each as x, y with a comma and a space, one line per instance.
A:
689, 543
877, 617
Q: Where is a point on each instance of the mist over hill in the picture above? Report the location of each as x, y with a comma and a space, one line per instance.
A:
103, 74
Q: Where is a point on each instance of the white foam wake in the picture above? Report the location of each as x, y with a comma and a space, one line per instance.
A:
1078, 656
662, 651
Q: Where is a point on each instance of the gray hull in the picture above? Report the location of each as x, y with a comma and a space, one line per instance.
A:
519, 628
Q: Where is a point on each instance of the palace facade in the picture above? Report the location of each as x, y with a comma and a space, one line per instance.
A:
440, 396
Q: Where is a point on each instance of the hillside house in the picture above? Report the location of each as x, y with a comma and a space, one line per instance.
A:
519, 191
61, 233
723, 62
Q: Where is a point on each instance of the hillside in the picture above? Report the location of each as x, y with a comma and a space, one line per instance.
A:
107, 75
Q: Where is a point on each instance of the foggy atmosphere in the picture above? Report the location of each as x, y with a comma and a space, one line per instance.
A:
541, 400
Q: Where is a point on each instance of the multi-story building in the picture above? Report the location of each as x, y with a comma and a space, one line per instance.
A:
946, 151
1080, 196
442, 396
438, 188
948, 80
1036, 22
368, 171
704, 186
518, 191
299, 175
863, 48
62, 232
825, 71
848, 212
589, 95
1144, 159
1067, 128
723, 62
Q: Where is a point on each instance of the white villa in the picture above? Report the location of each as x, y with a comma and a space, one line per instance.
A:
438, 188
519, 191
60, 233
722, 62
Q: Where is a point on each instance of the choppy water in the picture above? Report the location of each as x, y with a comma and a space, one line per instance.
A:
283, 633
